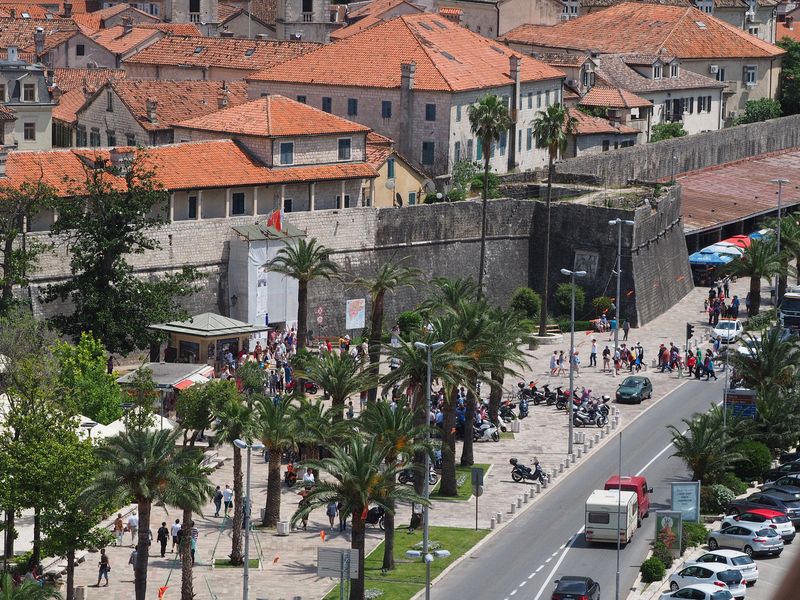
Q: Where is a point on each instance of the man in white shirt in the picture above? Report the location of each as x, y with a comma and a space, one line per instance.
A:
133, 527
227, 499
176, 527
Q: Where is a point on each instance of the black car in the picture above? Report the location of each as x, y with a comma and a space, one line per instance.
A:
785, 469
634, 389
573, 588
785, 503
789, 490
788, 457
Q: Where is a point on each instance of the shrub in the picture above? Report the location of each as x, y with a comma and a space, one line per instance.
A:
715, 498
736, 485
579, 325
666, 131
564, 298
653, 570
694, 534
602, 304
524, 300
529, 325
409, 321
756, 458
494, 183
662, 553
761, 321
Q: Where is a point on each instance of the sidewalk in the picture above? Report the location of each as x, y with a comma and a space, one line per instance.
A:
288, 568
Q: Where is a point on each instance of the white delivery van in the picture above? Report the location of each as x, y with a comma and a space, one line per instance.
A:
601, 516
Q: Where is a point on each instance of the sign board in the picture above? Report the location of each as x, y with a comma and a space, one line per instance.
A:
669, 529
331, 560
261, 291
686, 499
355, 313
742, 403
477, 476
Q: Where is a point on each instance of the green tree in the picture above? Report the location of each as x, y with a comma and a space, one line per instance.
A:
551, 130
777, 421
277, 427
359, 477
463, 173
564, 297
758, 261
27, 590
666, 131
770, 363
789, 93
19, 260
703, 448
84, 379
526, 302
193, 410
107, 217
762, 109
388, 277
340, 376
304, 261
489, 120
140, 465
508, 334
142, 396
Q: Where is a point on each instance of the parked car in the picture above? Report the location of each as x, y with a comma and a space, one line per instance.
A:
792, 479
699, 591
790, 489
713, 573
767, 518
634, 389
750, 538
788, 457
734, 559
728, 330
778, 472
574, 588
768, 499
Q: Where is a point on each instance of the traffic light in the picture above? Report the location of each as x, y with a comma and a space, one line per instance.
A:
689, 331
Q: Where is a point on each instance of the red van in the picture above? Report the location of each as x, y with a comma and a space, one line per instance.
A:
635, 484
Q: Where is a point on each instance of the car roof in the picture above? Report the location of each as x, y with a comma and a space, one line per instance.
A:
575, 578
750, 526
725, 552
766, 512
777, 495
637, 378
716, 567
709, 588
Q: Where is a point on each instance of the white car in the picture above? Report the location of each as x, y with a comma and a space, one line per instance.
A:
699, 591
734, 559
714, 573
728, 330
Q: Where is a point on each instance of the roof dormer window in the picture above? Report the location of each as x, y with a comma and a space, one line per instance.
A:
657, 71
674, 69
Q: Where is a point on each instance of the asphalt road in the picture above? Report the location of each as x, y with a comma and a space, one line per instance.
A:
546, 541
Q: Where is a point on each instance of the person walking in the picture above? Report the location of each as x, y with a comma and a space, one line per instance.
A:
119, 530
330, 510
554, 364
227, 499
593, 354
132, 559
194, 535
576, 363
133, 527
104, 567
606, 359
710, 368
342, 517
560, 362
691, 361
162, 536
626, 327
175, 530
217, 501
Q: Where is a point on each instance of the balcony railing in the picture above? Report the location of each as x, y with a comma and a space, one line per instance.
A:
194, 17
307, 17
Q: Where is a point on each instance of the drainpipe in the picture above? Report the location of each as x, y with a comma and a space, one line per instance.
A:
497, 10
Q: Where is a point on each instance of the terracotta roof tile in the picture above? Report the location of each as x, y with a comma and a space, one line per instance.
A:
589, 125
360, 25
7, 114
232, 53
448, 57
114, 39
450, 11
70, 79
78, 6
782, 31
264, 10
68, 106
616, 71
378, 8
173, 28
227, 11
176, 100
274, 116
34, 11
94, 20
630, 27
613, 97
377, 153
19, 32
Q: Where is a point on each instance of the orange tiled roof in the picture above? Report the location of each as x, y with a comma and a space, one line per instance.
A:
7, 114
173, 28
34, 11
114, 39
227, 11
448, 57
176, 100
378, 152
68, 106
782, 31
378, 8
264, 10
94, 20
19, 32
613, 97
451, 12
589, 125
274, 116
78, 6
231, 53
360, 25
70, 79
684, 32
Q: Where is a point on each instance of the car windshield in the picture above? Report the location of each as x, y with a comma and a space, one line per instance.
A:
632, 382
791, 304
767, 532
726, 325
792, 503
730, 576
571, 587
740, 561
780, 519
721, 595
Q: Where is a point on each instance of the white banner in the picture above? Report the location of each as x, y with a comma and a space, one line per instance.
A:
356, 313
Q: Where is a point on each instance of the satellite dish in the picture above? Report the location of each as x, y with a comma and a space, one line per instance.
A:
389, 184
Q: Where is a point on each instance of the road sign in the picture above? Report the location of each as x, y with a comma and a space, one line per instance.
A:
685, 499
331, 560
477, 491
477, 477
742, 403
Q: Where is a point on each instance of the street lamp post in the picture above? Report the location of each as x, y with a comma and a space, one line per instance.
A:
572, 275
248, 507
426, 491
780, 183
618, 223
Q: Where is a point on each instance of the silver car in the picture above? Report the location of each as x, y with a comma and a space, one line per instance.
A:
713, 573
734, 559
699, 591
750, 538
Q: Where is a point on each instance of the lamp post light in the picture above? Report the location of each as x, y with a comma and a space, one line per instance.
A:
572, 275
426, 491
88, 426
242, 445
780, 183
618, 223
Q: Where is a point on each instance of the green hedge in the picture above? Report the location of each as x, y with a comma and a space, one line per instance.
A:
579, 325
756, 458
526, 301
694, 534
653, 570
736, 485
563, 298
715, 498
662, 553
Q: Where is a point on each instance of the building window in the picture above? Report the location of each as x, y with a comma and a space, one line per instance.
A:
346, 201
708, 103
29, 92
386, 109
519, 140
109, 101
750, 75
194, 6
2, 92
674, 69
390, 168
352, 107
538, 99
529, 138
457, 153
287, 153
111, 136
287, 205
656, 71
458, 113
80, 50
752, 30
29, 131
479, 151
412, 198
430, 112
344, 148
605, 145
94, 137
701, 104
192, 207
237, 203
427, 153
301, 99
327, 104
152, 9
530, 99
721, 74
690, 104
503, 142
547, 98
469, 150
130, 139
80, 136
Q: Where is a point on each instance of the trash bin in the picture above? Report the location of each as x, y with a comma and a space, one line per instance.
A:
283, 527
515, 426
80, 592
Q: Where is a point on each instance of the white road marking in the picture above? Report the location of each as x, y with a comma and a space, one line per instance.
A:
522, 584
655, 458
531, 575
558, 562
512, 593
556, 553
539, 569
549, 559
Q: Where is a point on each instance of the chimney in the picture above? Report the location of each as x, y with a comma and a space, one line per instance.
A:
38, 40
67, 10
13, 54
406, 108
55, 93
151, 104
789, 23
225, 33
127, 25
120, 159
3, 158
12, 12
407, 71
222, 101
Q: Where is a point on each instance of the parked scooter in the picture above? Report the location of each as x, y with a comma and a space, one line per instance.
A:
523, 408
521, 472
409, 476
486, 432
506, 412
376, 516
588, 416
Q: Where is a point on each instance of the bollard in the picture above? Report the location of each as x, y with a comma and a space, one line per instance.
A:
537, 487
513, 508
492, 523
607, 429
499, 518
525, 498
596, 439
580, 452
572, 458
561, 467
591, 443
519, 501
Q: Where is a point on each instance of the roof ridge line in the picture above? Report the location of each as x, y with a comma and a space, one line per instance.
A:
425, 50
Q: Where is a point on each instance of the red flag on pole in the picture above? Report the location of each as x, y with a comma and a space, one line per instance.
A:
275, 220
161, 591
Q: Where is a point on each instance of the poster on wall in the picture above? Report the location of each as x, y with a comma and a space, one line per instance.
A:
355, 313
261, 291
686, 499
669, 530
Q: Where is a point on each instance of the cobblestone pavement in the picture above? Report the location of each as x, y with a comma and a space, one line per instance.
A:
288, 564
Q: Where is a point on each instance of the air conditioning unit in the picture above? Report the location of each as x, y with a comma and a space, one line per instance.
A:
750, 15
713, 69
564, 17
572, 83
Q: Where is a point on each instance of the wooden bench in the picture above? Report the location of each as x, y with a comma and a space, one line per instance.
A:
554, 329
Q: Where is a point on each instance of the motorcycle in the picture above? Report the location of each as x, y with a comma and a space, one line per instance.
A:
376, 516
309, 386
409, 476
588, 416
506, 411
523, 408
521, 472
549, 396
486, 432
562, 398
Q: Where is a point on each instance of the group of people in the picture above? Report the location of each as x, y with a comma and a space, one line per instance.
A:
720, 305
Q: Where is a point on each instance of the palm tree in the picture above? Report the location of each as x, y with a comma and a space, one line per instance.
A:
447, 293
234, 421
489, 120
758, 261
551, 130
189, 491
388, 277
703, 448
507, 335
305, 262
142, 465
790, 240
396, 432
277, 427
340, 376
359, 477
777, 422
770, 362
27, 590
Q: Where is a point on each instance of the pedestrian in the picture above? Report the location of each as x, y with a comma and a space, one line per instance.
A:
691, 361
104, 567
710, 368
342, 517
308, 477
606, 359
217, 501
617, 361
119, 530
626, 327
163, 537
554, 363
350, 411
576, 363
175, 530
747, 303
132, 559
303, 503
227, 499
593, 354
560, 364
194, 535
133, 526
726, 286
330, 510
